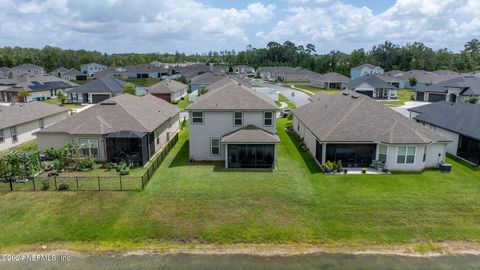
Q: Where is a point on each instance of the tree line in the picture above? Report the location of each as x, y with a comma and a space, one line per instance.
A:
388, 55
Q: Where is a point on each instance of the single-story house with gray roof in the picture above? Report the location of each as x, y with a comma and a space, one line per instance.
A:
358, 131
459, 89
460, 122
19, 122
373, 86
168, 90
124, 127
331, 80
96, 91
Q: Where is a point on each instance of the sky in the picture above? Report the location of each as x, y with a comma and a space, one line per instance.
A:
199, 26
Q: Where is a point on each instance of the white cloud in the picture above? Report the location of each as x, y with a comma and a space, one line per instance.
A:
128, 25
439, 23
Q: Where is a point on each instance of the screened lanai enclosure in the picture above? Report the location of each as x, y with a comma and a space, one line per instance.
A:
352, 155
128, 146
251, 156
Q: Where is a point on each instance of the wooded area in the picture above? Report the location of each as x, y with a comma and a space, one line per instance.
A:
388, 55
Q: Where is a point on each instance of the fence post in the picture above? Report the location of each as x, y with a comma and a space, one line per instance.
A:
33, 181
98, 179
121, 187
11, 185
55, 179
76, 178
143, 185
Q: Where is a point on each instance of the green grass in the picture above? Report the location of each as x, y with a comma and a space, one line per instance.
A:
182, 104
81, 82
31, 145
55, 101
204, 202
282, 98
144, 82
403, 96
313, 89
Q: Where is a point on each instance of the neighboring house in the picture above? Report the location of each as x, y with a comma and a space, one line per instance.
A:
330, 80
234, 124
92, 68
204, 80
190, 71
74, 75
243, 69
373, 86
26, 70
358, 130
459, 89
115, 72
5, 72
423, 78
59, 72
460, 122
365, 69
146, 71
121, 128
40, 87
96, 91
168, 90
287, 74
19, 122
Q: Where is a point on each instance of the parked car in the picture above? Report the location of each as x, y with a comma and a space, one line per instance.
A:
285, 112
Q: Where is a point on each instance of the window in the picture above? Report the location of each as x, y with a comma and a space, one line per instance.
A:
268, 118
40, 123
197, 117
406, 155
215, 146
237, 118
424, 153
2, 138
89, 147
13, 133
382, 153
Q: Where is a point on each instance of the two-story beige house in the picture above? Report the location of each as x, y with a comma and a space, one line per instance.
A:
234, 124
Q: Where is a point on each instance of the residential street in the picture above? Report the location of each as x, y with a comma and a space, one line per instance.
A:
299, 99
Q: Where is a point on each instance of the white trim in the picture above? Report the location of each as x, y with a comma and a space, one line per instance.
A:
219, 146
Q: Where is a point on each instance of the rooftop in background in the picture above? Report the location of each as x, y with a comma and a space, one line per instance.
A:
358, 118
372, 80
101, 85
166, 87
121, 113
470, 85
462, 118
230, 94
27, 66
208, 78
26, 112
370, 66
36, 83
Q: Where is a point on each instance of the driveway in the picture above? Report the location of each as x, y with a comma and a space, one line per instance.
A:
299, 98
408, 105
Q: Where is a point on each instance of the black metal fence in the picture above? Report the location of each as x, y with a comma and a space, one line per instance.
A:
89, 183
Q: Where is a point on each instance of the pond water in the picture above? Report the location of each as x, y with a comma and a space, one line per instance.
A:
304, 262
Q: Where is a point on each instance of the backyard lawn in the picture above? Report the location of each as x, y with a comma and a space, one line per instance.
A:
203, 202
31, 145
144, 82
403, 96
315, 90
182, 104
55, 101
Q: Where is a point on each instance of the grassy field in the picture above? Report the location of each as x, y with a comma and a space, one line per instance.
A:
55, 101
203, 202
31, 145
282, 98
144, 82
314, 89
182, 104
403, 96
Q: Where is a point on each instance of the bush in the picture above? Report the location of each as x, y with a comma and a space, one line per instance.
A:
339, 166
63, 186
109, 166
58, 165
45, 184
329, 166
53, 153
87, 164
123, 168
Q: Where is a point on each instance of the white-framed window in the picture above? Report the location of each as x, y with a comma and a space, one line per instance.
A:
214, 146
406, 155
41, 124
13, 133
2, 137
197, 117
267, 118
238, 118
89, 147
382, 153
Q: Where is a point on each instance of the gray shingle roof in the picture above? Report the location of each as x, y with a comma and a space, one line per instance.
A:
101, 85
208, 78
166, 87
470, 85
357, 118
364, 65
332, 77
372, 80
26, 112
145, 68
228, 95
27, 66
462, 118
36, 83
121, 113
250, 134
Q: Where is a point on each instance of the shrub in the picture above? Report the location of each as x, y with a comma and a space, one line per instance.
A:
58, 165
53, 153
45, 184
123, 168
339, 166
87, 164
364, 170
329, 166
63, 186
109, 166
